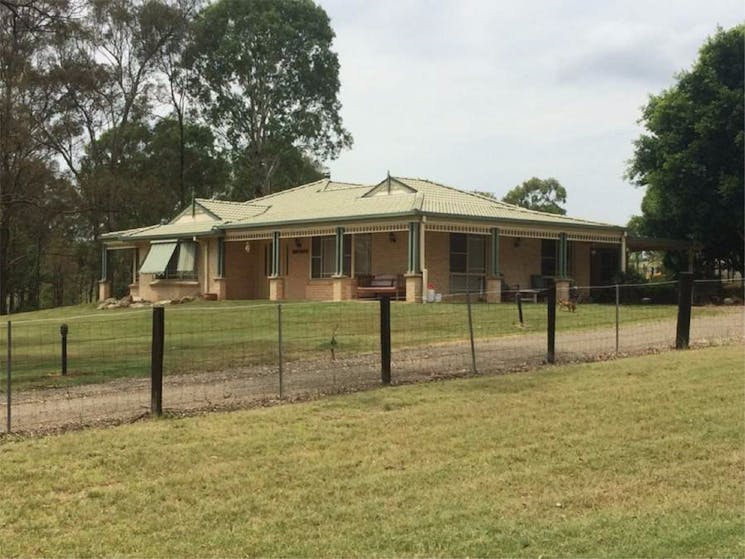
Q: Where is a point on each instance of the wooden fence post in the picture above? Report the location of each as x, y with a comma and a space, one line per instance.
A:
63, 330
156, 362
519, 301
551, 305
385, 340
685, 291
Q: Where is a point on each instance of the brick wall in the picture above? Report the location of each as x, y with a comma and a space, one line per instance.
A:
437, 260
518, 263
581, 267
388, 257
319, 290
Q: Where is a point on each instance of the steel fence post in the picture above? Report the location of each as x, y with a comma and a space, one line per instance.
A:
8, 387
474, 370
618, 306
279, 349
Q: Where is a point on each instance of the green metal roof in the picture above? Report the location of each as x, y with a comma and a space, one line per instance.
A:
327, 201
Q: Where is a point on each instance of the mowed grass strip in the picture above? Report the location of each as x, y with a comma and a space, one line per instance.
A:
206, 336
636, 457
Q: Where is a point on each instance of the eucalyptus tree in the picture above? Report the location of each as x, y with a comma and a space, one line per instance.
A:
543, 195
108, 72
27, 31
267, 79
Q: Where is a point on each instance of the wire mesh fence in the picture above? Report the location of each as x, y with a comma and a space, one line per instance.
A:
220, 356
105, 357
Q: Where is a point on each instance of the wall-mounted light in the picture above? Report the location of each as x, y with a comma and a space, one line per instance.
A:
392, 237
247, 246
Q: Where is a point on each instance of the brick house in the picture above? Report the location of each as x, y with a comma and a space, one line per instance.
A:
324, 240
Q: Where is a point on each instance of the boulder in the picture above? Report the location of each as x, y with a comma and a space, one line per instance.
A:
162, 303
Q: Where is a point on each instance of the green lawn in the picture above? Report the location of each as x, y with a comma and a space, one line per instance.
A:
635, 457
203, 336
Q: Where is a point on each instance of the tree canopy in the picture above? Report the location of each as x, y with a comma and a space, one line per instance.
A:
115, 113
543, 195
690, 159
266, 77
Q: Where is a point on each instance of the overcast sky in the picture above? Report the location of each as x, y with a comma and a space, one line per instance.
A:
482, 95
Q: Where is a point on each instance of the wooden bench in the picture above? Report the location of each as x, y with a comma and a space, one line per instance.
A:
381, 285
530, 294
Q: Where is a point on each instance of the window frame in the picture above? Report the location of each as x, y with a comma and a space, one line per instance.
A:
171, 272
361, 239
323, 248
468, 278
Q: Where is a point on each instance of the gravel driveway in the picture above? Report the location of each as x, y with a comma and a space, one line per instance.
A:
125, 400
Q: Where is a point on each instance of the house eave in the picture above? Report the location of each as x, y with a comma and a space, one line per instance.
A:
326, 220
419, 214
533, 223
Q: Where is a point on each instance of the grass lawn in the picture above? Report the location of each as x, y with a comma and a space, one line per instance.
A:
635, 457
203, 336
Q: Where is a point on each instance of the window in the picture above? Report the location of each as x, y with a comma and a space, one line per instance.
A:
467, 263
323, 256
550, 257
268, 254
181, 263
363, 254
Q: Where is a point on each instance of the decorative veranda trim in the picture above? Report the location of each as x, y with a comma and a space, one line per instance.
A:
314, 231
594, 238
459, 228
248, 235
526, 233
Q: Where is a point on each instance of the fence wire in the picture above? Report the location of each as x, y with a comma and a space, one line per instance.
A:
105, 357
220, 356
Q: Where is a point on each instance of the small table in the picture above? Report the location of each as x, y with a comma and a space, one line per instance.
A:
531, 293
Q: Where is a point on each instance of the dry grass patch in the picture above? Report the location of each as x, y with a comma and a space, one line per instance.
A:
636, 457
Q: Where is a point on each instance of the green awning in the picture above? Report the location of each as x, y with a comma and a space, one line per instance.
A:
157, 259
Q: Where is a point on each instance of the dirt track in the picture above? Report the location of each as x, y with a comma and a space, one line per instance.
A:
127, 399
